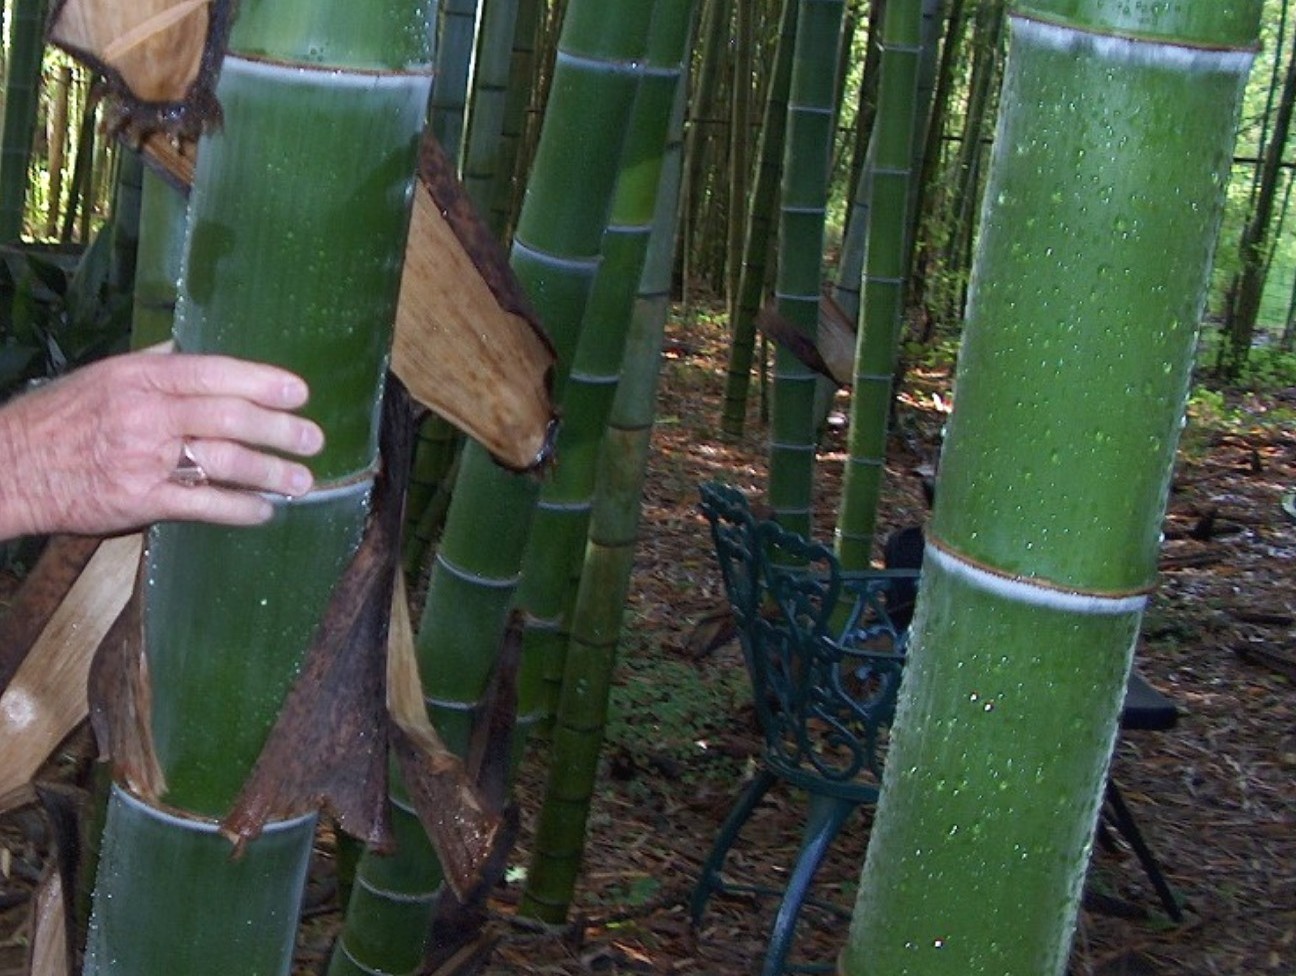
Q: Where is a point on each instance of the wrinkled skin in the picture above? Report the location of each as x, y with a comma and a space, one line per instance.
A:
93, 452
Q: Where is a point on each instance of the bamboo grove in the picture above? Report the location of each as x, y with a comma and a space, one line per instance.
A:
855, 182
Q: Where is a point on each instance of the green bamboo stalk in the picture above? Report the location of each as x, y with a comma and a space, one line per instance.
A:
756, 242
880, 312
551, 567
303, 272
801, 227
522, 69
607, 566
494, 60
158, 263
704, 98
1102, 212
867, 102
555, 255
967, 168
928, 196
1244, 294
739, 134
22, 83
456, 31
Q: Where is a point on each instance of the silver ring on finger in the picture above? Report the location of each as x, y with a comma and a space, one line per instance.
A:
188, 473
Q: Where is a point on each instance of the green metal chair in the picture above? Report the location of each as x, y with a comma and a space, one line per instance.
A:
825, 661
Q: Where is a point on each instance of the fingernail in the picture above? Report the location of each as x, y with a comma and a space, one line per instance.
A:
295, 392
300, 480
312, 439
265, 511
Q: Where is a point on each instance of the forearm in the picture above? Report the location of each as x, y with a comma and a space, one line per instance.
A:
16, 495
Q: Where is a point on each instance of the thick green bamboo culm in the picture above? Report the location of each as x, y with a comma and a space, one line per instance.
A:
889, 238
1101, 214
608, 562
477, 567
802, 209
273, 270
751, 280
639, 223
22, 83
551, 568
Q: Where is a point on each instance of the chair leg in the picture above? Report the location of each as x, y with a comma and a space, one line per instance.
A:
1124, 823
709, 878
827, 815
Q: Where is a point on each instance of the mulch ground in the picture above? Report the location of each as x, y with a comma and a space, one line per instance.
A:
1214, 796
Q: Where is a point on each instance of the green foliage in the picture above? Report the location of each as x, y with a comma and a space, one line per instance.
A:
57, 311
670, 706
1267, 369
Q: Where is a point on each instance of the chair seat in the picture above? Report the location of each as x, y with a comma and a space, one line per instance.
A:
1146, 708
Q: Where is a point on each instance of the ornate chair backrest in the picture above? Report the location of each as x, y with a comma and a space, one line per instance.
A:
824, 657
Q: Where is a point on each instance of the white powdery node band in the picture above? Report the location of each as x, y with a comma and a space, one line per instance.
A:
1018, 589
1133, 51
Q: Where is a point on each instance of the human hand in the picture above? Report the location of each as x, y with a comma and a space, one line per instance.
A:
96, 451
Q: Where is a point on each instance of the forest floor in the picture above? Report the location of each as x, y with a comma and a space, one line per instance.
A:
1214, 796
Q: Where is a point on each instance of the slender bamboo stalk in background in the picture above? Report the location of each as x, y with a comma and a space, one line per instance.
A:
484, 144
57, 136
506, 195
607, 565
866, 105
551, 567
802, 208
27, 44
850, 263
127, 201
456, 33
986, 60
158, 262
555, 255
739, 157
1242, 304
756, 242
700, 133
880, 312
276, 270
930, 143
1106, 187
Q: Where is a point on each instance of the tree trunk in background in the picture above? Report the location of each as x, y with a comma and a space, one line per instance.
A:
756, 241
275, 270
889, 237
476, 571
27, 44
802, 203
1246, 290
606, 572
1107, 185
